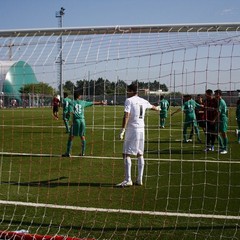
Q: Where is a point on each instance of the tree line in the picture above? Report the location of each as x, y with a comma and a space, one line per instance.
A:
91, 87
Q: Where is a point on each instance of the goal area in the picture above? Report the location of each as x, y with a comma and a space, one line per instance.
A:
187, 193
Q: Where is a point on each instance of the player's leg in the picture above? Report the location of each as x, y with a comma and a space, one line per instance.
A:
185, 126
66, 122
223, 130
82, 131
140, 158
140, 170
238, 133
197, 132
69, 146
129, 148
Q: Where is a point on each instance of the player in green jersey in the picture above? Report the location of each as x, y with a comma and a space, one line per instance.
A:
66, 111
78, 127
238, 120
164, 106
190, 120
222, 122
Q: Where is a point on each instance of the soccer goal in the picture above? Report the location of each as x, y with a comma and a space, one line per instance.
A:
187, 193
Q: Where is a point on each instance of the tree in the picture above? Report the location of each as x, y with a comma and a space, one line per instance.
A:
69, 87
38, 88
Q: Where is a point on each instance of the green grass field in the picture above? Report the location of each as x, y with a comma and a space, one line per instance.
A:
189, 190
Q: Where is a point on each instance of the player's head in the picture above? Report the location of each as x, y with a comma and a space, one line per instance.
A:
185, 98
218, 93
208, 93
77, 95
65, 95
188, 97
132, 89
162, 97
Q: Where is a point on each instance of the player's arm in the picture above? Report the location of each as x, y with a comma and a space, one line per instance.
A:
156, 108
124, 124
178, 110
100, 103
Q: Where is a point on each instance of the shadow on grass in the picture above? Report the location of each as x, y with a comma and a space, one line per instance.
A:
56, 182
123, 229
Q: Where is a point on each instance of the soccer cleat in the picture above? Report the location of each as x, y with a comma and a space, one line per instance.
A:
138, 183
189, 140
66, 155
207, 149
125, 184
223, 152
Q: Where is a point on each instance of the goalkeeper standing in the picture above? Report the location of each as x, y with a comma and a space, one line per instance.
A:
133, 124
78, 127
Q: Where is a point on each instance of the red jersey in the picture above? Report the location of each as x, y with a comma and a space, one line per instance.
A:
211, 109
55, 102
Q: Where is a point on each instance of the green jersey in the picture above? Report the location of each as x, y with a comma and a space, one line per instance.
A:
164, 105
77, 108
66, 105
223, 110
189, 109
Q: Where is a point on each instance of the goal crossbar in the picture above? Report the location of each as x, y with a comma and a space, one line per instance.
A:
118, 29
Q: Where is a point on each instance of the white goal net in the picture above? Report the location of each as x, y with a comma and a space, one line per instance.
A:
187, 193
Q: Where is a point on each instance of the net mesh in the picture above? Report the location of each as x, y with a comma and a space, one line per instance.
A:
187, 193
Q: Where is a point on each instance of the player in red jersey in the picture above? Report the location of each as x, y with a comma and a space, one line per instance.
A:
55, 104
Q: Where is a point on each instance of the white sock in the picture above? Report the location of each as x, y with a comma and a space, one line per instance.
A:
140, 168
128, 165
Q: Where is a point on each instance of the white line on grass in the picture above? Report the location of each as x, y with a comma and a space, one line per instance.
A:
120, 158
109, 210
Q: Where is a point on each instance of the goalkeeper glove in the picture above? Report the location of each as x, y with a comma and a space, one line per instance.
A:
121, 135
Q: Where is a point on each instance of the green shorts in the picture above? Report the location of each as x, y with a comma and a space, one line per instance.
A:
78, 128
163, 114
222, 126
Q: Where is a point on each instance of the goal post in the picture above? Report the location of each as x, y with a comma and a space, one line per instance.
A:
187, 193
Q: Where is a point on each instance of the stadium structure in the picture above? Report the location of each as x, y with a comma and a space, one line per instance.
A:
13, 76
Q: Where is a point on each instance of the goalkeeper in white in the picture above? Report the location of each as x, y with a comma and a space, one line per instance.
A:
133, 128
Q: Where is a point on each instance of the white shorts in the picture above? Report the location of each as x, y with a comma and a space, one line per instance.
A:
134, 142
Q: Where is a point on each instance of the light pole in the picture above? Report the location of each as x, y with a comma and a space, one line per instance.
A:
59, 15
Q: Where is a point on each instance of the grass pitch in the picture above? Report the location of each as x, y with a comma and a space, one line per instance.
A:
186, 192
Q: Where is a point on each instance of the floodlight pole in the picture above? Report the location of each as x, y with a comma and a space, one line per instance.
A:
59, 15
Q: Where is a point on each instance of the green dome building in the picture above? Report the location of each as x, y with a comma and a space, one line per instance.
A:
13, 76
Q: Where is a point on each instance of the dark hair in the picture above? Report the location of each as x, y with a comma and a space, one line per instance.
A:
132, 88
65, 94
209, 92
76, 95
219, 92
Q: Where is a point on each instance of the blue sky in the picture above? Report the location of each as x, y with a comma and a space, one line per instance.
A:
22, 14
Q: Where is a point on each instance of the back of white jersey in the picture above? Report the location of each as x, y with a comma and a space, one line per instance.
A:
136, 106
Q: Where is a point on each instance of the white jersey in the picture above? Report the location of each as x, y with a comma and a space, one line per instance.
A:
136, 106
